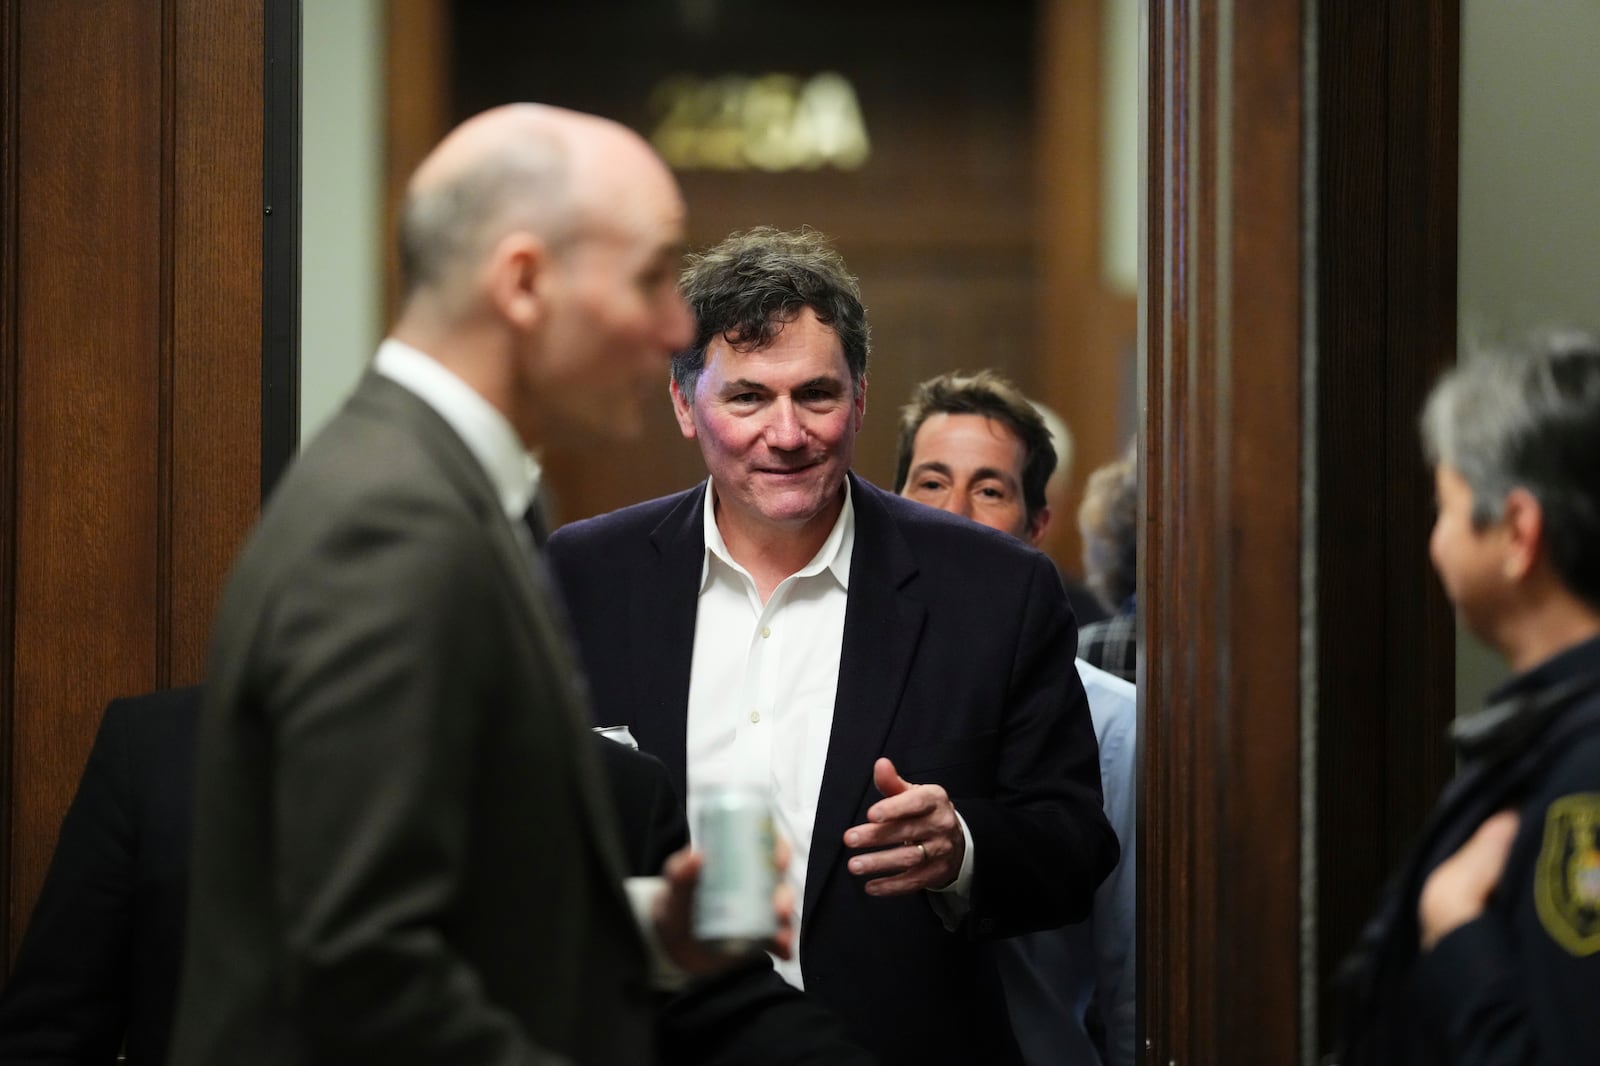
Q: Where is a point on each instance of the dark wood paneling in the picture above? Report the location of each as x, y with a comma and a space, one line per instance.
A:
1083, 331
214, 483
1220, 563
419, 38
945, 88
1386, 289
89, 316
10, 91
132, 332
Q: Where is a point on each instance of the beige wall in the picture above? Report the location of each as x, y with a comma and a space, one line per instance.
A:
1530, 183
341, 192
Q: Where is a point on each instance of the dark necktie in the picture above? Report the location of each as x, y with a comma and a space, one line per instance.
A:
537, 519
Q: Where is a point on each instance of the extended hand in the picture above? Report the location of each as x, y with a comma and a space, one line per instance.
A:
1458, 889
917, 833
674, 915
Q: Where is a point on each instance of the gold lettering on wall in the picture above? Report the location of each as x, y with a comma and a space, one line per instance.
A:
773, 122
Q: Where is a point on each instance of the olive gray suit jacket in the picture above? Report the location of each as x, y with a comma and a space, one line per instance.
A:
404, 850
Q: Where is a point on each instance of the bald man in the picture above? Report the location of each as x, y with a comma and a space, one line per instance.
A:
404, 851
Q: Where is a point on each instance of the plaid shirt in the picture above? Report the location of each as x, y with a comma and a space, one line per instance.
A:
1112, 645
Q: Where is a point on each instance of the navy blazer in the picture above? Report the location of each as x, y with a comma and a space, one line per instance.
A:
958, 665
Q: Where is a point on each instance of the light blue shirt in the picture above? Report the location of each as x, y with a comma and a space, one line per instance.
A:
1050, 977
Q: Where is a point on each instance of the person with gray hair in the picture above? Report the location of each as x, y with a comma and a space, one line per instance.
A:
1108, 519
1486, 948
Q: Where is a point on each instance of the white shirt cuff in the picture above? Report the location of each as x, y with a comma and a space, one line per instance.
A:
952, 902
665, 976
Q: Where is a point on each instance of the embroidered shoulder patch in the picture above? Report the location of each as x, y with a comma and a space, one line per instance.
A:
1567, 881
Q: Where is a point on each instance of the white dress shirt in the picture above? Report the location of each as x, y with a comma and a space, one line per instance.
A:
486, 432
763, 682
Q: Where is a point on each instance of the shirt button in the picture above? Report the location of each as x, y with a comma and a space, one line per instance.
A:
766, 631
755, 716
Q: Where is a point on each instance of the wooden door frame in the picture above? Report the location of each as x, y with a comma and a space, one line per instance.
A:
1220, 681
148, 382
1298, 662
280, 242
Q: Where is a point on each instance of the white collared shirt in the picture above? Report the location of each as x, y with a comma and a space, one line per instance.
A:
486, 432
763, 682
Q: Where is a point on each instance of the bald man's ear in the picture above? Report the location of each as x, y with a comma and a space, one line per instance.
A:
517, 273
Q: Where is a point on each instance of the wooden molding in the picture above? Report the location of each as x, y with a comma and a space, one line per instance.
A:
131, 326
1220, 534
417, 64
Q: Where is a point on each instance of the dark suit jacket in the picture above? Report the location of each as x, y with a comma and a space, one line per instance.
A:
99, 963
957, 664
98, 968
748, 1016
404, 851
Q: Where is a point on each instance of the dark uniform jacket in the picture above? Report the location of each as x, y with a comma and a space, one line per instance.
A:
1521, 983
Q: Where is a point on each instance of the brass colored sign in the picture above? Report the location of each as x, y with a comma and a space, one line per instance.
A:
774, 122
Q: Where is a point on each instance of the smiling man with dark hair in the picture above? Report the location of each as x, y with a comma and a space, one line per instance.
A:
900, 680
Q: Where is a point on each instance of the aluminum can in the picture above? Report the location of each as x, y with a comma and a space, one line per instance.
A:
733, 902
621, 734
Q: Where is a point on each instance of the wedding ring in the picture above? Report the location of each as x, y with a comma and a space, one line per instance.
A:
922, 851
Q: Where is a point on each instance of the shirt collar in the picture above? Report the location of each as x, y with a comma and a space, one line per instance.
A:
487, 433
834, 555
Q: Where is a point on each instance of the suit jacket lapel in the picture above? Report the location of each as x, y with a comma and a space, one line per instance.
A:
662, 612
531, 590
882, 625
